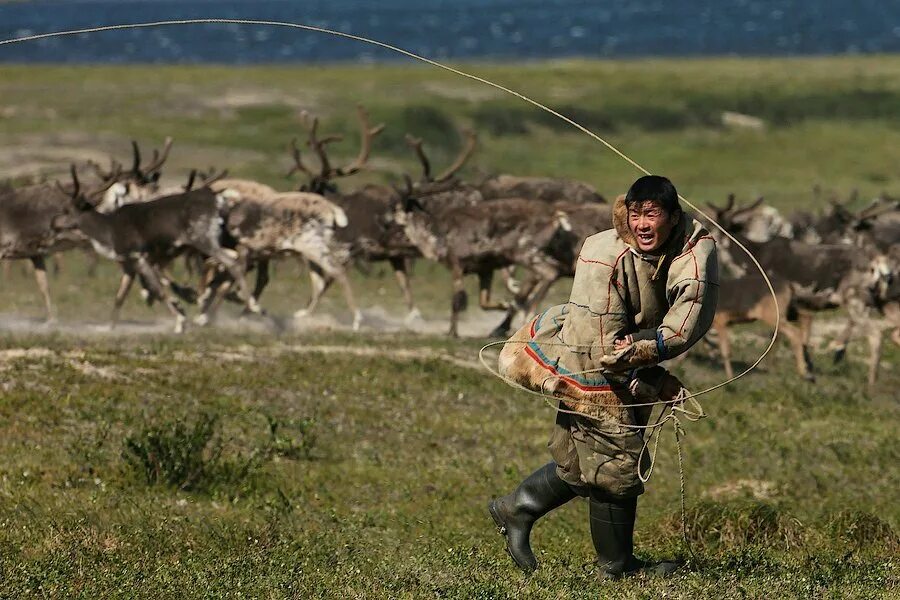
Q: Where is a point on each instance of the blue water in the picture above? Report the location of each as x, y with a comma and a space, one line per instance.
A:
441, 29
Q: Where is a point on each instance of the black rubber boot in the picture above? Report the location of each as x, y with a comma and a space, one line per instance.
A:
612, 531
516, 513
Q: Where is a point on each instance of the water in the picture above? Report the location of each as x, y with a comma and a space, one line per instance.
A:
441, 29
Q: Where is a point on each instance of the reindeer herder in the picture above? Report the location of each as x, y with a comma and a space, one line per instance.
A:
644, 292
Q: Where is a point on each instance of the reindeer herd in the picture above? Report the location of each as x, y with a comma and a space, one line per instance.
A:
527, 229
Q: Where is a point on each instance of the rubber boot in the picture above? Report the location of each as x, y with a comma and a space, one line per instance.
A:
612, 531
516, 513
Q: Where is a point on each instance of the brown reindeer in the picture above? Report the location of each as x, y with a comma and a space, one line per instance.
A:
372, 234
807, 278
26, 217
545, 189
143, 237
481, 239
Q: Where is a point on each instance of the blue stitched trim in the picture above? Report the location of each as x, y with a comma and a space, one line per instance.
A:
599, 381
660, 346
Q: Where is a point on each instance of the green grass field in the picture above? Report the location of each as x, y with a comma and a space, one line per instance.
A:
830, 121
232, 462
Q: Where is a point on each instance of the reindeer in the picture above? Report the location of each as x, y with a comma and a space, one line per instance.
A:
480, 239
545, 189
578, 209
142, 237
26, 216
807, 278
139, 184
876, 226
300, 223
372, 233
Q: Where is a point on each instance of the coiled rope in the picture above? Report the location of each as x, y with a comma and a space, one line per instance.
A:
671, 408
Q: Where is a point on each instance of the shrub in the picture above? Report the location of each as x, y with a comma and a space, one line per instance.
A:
174, 453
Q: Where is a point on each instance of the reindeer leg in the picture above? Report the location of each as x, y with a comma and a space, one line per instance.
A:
262, 277
40, 275
526, 296
214, 286
237, 267
341, 278
459, 301
402, 274
319, 284
839, 345
892, 312
805, 318
262, 280
547, 276
122, 293
152, 278
801, 354
92, 261
509, 280
720, 324
875, 343
485, 282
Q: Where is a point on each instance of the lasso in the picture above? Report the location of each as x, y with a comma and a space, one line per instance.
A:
672, 408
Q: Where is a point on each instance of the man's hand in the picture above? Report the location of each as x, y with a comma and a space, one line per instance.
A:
622, 343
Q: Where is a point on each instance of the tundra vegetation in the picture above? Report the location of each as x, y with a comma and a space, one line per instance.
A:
329, 463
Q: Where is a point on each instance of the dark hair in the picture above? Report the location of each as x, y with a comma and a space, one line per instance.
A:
654, 187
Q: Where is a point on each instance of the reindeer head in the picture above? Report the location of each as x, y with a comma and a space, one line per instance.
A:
135, 185
880, 278
408, 212
737, 219
81, 201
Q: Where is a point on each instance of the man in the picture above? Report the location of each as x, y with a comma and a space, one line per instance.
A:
644, 291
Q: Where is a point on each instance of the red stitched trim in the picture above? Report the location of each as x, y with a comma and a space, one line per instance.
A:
608, 295
599, 262
695, 299
569, 381
690, 248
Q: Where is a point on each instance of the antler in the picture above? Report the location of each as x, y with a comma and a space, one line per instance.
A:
136, 164
877, 208
747, 209
155, 163
159, 158
115, 169
76, 185
721, 212
317, 145
416, 144
210, 177
298, 162
191, 177
465, 153
366, 135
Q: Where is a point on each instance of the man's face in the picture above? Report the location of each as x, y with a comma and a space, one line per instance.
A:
651, 224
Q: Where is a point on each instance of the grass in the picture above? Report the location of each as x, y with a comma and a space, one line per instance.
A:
664, 113
790, 487
234, 463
